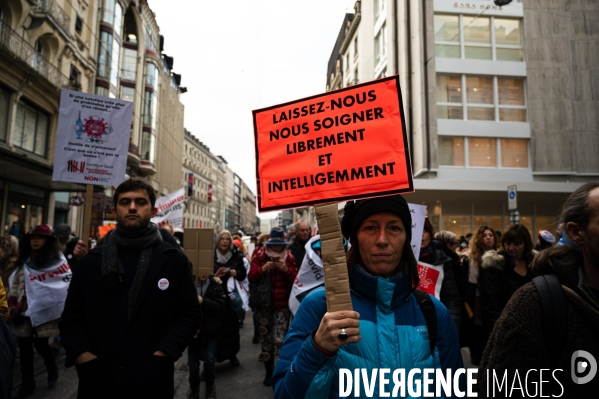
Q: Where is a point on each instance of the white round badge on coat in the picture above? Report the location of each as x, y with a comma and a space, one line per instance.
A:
163, 284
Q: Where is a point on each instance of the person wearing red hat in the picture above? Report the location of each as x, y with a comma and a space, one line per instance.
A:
36, 301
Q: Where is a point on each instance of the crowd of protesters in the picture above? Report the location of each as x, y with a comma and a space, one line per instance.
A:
488, 301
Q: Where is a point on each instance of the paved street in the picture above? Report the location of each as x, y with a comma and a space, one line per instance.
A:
244, 381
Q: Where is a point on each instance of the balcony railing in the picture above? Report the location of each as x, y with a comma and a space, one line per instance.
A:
17, 46
55, 12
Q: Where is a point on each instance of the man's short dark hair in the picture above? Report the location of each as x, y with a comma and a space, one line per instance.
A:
134, 185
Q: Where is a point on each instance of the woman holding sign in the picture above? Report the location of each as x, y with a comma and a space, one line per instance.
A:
36, 300
388, 328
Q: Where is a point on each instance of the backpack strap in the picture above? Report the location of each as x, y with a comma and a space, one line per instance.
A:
554, 314
427, 307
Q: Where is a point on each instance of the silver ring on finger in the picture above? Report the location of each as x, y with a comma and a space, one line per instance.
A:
343, 335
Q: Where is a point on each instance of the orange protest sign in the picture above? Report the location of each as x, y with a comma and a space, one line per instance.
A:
105, 229
346, 144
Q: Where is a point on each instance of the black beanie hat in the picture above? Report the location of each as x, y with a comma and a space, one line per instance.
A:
355, 212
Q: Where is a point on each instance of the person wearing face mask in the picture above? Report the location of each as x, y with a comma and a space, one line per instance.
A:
482, 242
276, 261
502, 272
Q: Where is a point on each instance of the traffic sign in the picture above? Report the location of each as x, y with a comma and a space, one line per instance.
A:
512, 198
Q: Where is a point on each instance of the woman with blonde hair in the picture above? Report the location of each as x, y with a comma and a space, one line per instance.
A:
483, 241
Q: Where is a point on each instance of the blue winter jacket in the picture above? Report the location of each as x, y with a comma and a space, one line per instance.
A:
394, 336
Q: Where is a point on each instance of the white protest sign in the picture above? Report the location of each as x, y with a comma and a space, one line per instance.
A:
47, 291
310, 276
93, 139
170, 209
418, 213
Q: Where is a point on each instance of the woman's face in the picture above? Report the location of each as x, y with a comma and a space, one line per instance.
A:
426, 239
37, 242
453, 245
277, 248
381, 239
515, 249
224, 242
488, 239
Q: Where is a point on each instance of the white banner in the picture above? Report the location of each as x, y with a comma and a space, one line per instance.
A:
93, 139
418, 213
170, 209
310, 276
47, 291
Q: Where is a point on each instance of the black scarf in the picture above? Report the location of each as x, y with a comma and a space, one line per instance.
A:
112, 269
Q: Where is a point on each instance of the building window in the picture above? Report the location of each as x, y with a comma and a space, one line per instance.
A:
476, 37
114, 64
487, 98
108, 12
152, 75
127, 93
458, 224
449, 97
150, 109
479, 98
380, 45
105, 54
37, 57
514, 153
74, 75
102, 91
356, 47
4, 104
78, 24
129, 64
147, 146
379, 9
31, 129
150, 40
451, 151
483, 152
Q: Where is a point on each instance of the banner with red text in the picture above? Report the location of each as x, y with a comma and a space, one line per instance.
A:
170, 209
47, 291
341, 145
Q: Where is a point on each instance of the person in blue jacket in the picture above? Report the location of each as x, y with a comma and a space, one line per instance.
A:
386, 329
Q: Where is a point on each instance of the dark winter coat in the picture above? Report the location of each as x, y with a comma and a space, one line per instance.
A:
229, 344
498, 281
517, 340
460, 275
164, 320
450, 296
69, 249
298, 250
213, 303
281, 282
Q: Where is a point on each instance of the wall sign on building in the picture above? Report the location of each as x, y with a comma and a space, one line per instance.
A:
346, 144
93, 139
